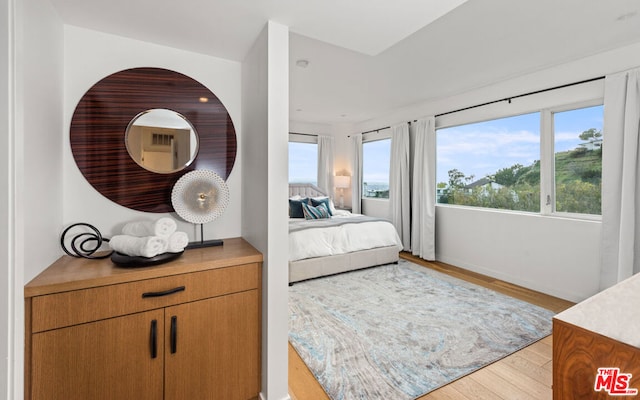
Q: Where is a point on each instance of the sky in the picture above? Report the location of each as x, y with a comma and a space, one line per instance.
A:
478, 149
303, 162
376, 159
483, 148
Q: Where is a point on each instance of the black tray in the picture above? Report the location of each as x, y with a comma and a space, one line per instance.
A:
125, 261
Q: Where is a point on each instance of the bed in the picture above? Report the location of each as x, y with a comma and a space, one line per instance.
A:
343, 242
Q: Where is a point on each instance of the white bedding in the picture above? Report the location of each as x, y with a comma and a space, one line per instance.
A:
346, 238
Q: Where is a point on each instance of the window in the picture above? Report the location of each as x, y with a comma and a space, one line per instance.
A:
491, 164
548, 161
578, 160
303, 162
376, 160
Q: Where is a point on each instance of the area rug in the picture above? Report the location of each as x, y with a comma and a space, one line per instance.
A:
399, 331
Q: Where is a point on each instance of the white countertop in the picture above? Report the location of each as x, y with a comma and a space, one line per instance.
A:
614, 312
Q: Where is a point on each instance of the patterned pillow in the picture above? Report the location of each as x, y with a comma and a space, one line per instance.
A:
311, 212
295, 207
321, 200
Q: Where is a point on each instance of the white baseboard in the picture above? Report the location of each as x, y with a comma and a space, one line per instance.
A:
263, 397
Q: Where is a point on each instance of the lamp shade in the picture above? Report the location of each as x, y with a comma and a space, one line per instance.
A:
342, 181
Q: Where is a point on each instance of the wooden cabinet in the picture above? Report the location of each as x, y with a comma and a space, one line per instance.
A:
189, 329
107, 359
596, 346
215, 350
579, 353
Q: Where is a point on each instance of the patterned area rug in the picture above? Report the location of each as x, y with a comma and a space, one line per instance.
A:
400, 331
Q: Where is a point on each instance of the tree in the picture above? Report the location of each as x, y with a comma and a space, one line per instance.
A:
508, 176
455, 179
590, 135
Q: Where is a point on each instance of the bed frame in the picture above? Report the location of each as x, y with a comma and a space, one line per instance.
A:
322, 266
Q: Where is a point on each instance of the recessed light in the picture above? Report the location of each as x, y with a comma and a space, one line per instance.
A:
203, 99
302, 63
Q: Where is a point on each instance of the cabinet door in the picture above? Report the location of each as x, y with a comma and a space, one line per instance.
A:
213, 348
109, 359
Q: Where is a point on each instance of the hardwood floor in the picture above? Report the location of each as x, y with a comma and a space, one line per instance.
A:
525, 374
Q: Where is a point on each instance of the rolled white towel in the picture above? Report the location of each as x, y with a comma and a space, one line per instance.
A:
162, 227
149, 246
177, 242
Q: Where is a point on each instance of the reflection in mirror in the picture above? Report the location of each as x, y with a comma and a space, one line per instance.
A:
161, 140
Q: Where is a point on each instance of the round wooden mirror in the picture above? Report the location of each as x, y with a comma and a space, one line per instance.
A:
100, 121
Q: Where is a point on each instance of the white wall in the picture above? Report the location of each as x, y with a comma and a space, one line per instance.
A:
34, 160
265, 107
6, 216
554, 255
557, 256
41, 80
378, 208
90, 56
310, 128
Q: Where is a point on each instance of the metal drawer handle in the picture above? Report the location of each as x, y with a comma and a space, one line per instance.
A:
164, 293
174, 334
154, 339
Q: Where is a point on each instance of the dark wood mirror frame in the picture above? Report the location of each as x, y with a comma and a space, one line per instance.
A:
101, 118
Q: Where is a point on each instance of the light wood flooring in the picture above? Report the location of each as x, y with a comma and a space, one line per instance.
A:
525, 374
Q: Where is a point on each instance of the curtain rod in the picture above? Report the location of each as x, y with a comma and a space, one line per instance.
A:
386, 127
303, 134
501, 100
521, 95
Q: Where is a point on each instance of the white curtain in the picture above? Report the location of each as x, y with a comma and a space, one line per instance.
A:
620, 178
325, 164
399, 185
356, 173
423, 219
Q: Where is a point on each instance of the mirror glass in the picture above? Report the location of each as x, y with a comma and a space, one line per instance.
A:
161, 140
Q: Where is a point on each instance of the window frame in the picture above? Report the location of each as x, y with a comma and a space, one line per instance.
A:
501, 116
548, 170
303, 138
375, 136
546, 103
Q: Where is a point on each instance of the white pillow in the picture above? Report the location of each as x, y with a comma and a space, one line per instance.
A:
341, 213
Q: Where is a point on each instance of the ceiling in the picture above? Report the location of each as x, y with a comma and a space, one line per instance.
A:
367, 57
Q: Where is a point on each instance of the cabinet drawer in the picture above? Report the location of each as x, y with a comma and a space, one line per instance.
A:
80, 306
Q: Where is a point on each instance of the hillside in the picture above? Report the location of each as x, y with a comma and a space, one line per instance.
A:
578, 185
579, 165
